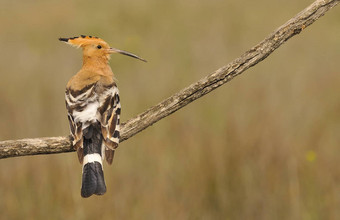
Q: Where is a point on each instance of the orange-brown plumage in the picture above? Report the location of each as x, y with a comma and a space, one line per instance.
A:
95, 62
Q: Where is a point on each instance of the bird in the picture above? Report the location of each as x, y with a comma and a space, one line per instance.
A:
93, 110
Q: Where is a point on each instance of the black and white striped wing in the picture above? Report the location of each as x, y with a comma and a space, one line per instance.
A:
91, 104
81, 109
110, 121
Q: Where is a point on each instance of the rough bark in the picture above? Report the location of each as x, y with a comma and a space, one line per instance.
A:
294, 26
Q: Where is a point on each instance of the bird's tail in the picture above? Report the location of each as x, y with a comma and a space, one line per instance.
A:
93, 175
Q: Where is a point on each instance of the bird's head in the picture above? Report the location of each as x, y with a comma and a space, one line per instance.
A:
96, 47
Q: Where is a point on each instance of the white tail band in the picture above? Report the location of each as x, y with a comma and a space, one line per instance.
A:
91, 158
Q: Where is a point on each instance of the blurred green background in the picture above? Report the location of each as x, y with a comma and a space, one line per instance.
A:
264, 146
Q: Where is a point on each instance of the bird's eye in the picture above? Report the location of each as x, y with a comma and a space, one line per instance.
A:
99, 47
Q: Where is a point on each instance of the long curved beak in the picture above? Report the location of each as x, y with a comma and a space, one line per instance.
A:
114, 50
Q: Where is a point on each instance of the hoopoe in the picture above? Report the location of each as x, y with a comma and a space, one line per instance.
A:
93, 105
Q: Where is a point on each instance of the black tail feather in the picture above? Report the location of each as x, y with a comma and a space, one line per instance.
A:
101, 187
93, 180
93, 176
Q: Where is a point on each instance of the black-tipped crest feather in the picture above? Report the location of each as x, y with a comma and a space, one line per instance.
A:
63, 39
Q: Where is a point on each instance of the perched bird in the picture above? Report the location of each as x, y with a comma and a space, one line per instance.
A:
93, 105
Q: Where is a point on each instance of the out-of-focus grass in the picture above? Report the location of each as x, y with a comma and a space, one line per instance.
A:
242, 152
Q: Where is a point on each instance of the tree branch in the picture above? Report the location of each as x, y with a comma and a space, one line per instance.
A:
49, 145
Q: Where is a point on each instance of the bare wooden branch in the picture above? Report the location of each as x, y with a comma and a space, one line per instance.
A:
294, 26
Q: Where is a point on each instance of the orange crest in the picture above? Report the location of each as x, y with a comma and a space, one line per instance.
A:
98, 43
83, 41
